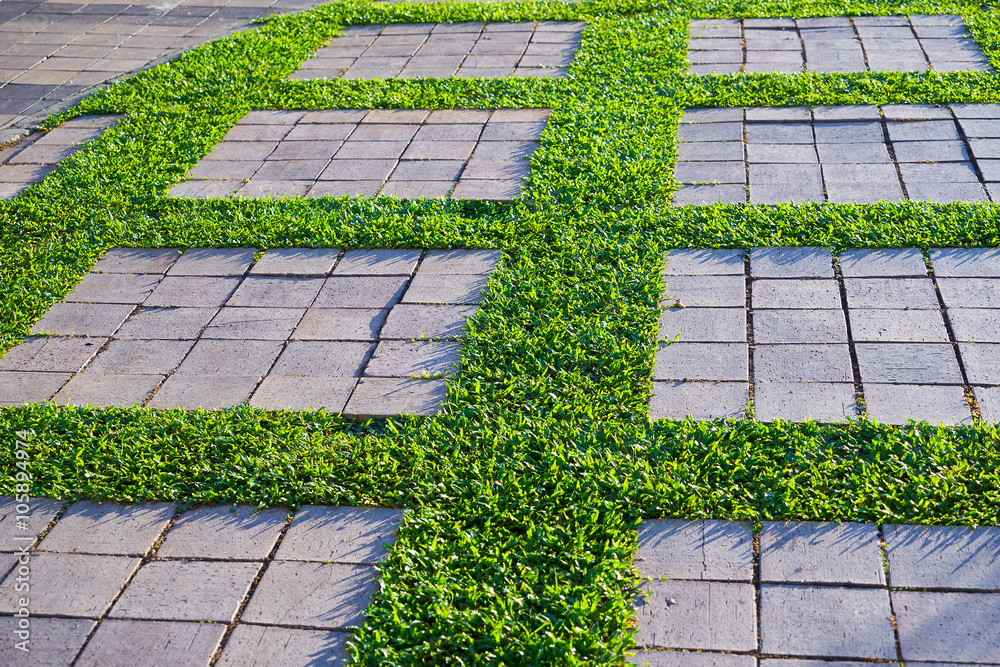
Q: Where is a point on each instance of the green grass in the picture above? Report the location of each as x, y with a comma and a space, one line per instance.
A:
525, 491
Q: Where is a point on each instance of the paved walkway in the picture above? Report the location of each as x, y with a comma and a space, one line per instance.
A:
817, 591
370, 333
903, 335
148, 585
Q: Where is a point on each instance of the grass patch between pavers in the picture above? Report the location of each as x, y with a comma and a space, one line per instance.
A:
525, 492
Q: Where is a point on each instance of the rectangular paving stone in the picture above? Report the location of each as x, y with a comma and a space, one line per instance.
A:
929, 151
700, 195
378, 398
412, 359
113, 288
282, 291
826, 621
893, 326
696, 615
186, 591
52, 641
140, 357
697, 262
809, 294
18, 387
908, 363
107, 390
707, 550
803, 363
283, 647
947, 626
442, 289
956, 557
898, 403
699, 400
71, 584
702, 361
149, 643
778, 154
946, 192
193, 291
206, 392
222, 532
322, 358
353, 535
966, 262
287, 392
213, 262
981, 362
709, 151
847, 193
975, 324
407, 321
820, 552
460, 262
108, 529
166, 323
710, 172
360, 292
377, 262
799, 326
312, 262
857, 153
791, 263
317, 595
254, 323
40, 513
716, 291
886, 262
362, 324
799, 401
136, 260
703, 325
81, 319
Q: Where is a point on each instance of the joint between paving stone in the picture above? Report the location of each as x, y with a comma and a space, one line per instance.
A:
859, 390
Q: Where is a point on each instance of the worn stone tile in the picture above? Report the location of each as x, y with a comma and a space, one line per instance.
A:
947, 626
681, 549
107, 390
369, 291
799, 326
957, 557
166, 323
826, 621
820, 552
929, 151
328, 595
798, 294
388, 397
353, 535
206, 189
705, 172
378, 262
83, 319
898, 403
407, 321
71, 584
340, 324
498, 190
213, 262
300, 262
113, 288
787, 192
140, 357
108, 529
698, 195
282, 291
891, 326
848, 133
799, 401
727, 291
459, 262
445, 288
775, 154
136, 260
841, 193
946, 172
697, 262
257, 188
966, 262
224, 533
53, 642
946, 192
791, 263
862, 153
981, 362
18, 387
231, 357
908, 363
186, 591
696, 615
699, 400
284, 647
412, 359
979, 325
41, 512
710, 131
891, 293
151, 643
711, 151
322, 358
710, 325
345, 188
702, 361
194, 291
254, 323
803, 363
285, 392
691, 659
207, 392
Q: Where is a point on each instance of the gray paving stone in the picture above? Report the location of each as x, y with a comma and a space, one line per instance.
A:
788, 182
709, 172
820, 552
947, 626
811, 294
708, 550
276, 292
113, 288
407, 321
136, 260
861, 153
353, 535
966, 262
696, 615
222, 532
710, 131
799, 326
254, 323
908, 363
716, 291
426, 189
52, 641
377, 263
976, 128
166, 323
412, 359
929, 151
326, 595
975, 110
29, 387
774, 662
186, 591
842, 193
946, 192
799, 401
848, 133
362, 324
865, 175
360, 292
388, 397
151, 643
847, 112
344, 189
777, 154
107, 529
296, 262
698, 195
704, 325
71, 584
699, 400
924, 130
40, 513
981, 362
107, 390
885, 262
802, 363
978, 325
322, 358
230, 357
194, 291
213, 262
826, 621
891, 293
286, 392
791, 263
710, 151
83, 319
697, 262
283, 647
702, 361
778, 133
954, 557
891, 326
898, 403
947, 172
441, 289
207, 392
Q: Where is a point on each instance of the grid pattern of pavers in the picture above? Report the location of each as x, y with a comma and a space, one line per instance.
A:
30, 160
438, 50
818, 593
404, 153
914, 337
857, 154
54, 53
147, 585
835, 44
370, 333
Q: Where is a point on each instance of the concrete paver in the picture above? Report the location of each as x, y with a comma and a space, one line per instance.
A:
815, 552
205, 392
709, 550
283, 647
798, 401
70, 584
219, 532
35, 517
935, 404
108, 529
959, 627
52, 641
151, 643
167, 323
353, 535
696, 615
699, 400
955, 557
382, 397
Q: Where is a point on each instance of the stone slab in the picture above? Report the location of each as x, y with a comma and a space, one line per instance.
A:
703, 325
316, 595
140, 357
953, 627
113, 288
898, 403
697, 262
443, 288
51, 355
803, 363
704, 550
83, 319
287, 392
806, 294
136, 260
18, 387
71, 584
110, 529
409, 321
194, 291
966, 262
690, 659
353, 535
205, 392
360, 324
979, 325
322, 358
253, 323
891, 293
820, 552
799, 326
706, 291
969, 292
799, 401
302, 262
186, 591
231, 357
152, 643
791, 263
378, 398
360, 292
696, 615
826, 621
283, 647
702, 361
166, 323
894, 326
107, 390
53, 642
413, 359
213, 262
378, 262
460, 261
40, 513
945, 557
276, 292
240, 533
988, 399
699, 400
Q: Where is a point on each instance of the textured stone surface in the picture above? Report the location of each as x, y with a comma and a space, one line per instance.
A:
802, 363
814, 552
58, 355
107, 390
909, 363
382, 397
703, 325
218, 532
80, 319
690, 659
898, 403
680, 549
278, 392
140, 357
803, 294
205, 392
71, 584
956, 557
152, 643
887, 262
791, 263
296, 262
702, 361
355, 535
948, 626
698, 400
798, 401
256, 645
892, 326
799, 326
718, 291
696, 615
105, 528
40, 513
53, 641
694, 262
891, 293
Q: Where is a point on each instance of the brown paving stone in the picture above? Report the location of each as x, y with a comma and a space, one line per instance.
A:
284, 647
140, 357
283, 291
340, 324
83, 319
166, 323
327, 595
206, 392
29, 387
445, 288
289, 392
355, 535
107, 390
296, 262
71, 584
407, 321
372, 291
238, 323
385, 397
222, 532
231, 357
273, 189
417, 189
113, 288
213, 262
55, 354
194, 291
204, 189
322, 358
53, 642
136, 260
152, 643
345, 189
